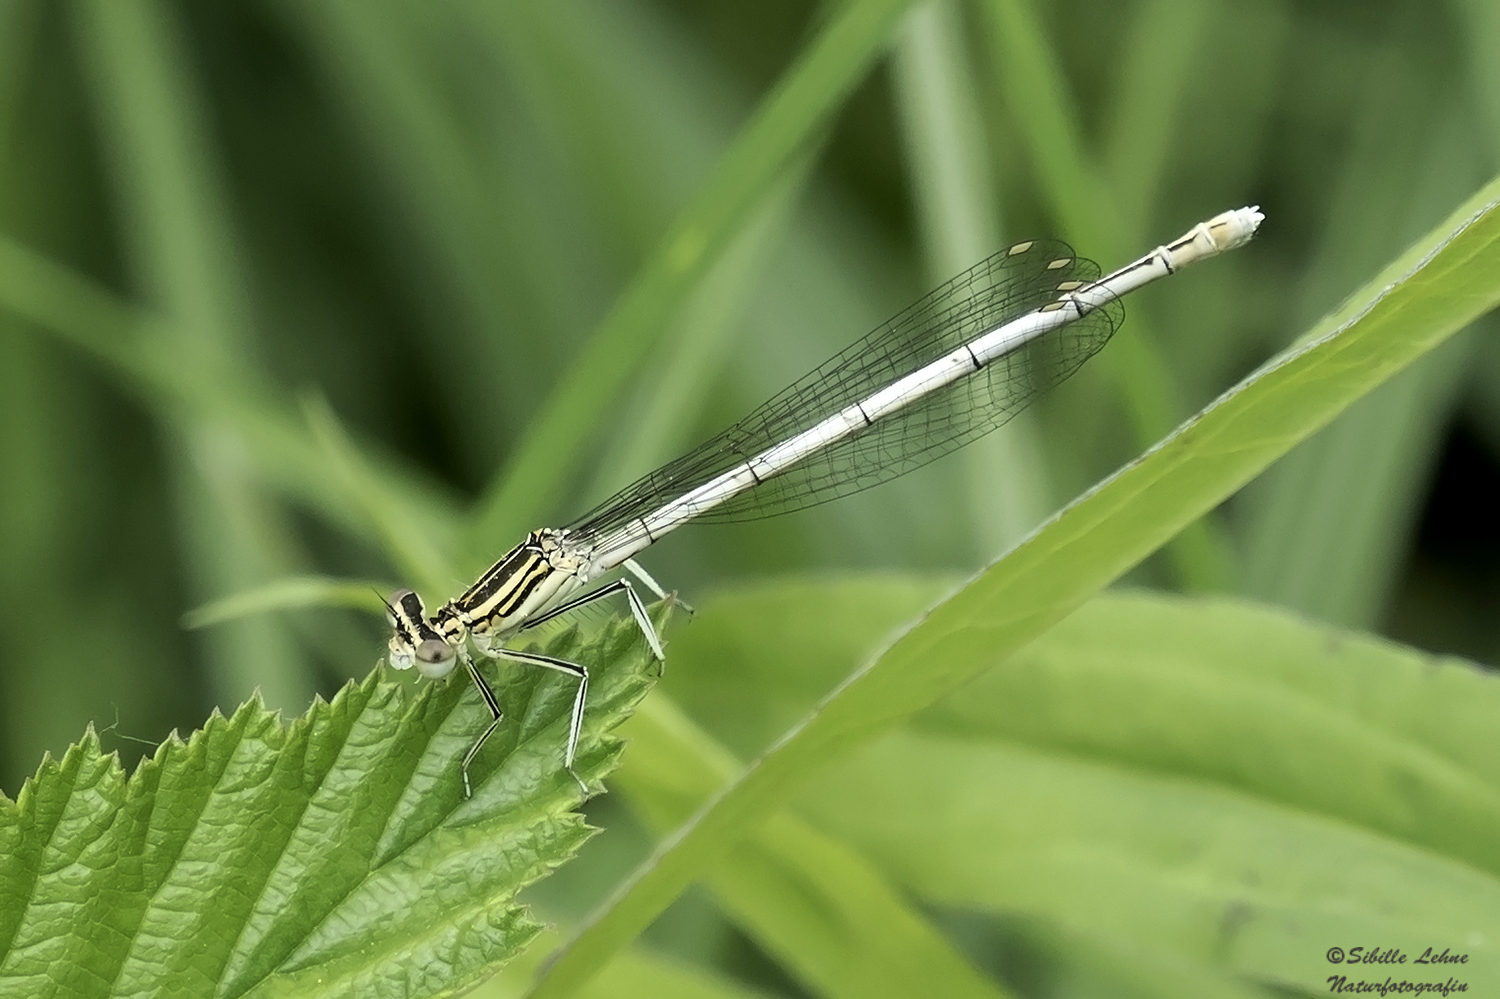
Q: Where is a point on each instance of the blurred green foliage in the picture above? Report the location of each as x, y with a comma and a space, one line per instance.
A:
366, 289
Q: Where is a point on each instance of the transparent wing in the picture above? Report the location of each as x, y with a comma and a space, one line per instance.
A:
1009, 284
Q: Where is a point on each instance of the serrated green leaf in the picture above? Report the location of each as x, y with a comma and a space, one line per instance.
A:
333, 856
1438, 286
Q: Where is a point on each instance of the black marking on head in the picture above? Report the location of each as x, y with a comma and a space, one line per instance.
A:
409, 619
406, 613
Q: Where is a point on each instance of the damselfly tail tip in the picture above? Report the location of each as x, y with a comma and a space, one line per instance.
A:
1235, 228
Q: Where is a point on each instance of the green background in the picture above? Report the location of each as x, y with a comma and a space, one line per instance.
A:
409, 227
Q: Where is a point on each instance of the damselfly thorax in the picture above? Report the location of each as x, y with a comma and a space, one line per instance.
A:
531, 578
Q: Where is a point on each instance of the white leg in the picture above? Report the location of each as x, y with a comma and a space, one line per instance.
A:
637, 610
575, 724
639, 572
491, 702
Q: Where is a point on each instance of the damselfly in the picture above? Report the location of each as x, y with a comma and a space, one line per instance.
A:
955, 365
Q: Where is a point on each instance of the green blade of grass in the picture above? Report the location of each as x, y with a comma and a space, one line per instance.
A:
626, 100
394, 70
152, 117
636, 974
807, 900
1034, 87
1037, 92
417, 559
131, 346
1324, 529
1165, 38
943, 140
695, 347
824, 626
1098, 783
291, 593
792, 115
1423, 297
641, 121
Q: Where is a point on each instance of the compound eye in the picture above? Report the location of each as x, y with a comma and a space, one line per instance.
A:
435, 658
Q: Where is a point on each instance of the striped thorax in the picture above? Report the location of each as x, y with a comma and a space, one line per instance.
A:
527, 580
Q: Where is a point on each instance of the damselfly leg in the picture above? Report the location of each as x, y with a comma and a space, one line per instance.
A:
575, 670
639, 572
575, 722
491, 702
637, 611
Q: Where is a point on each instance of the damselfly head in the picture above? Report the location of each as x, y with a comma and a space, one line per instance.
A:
414, 641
